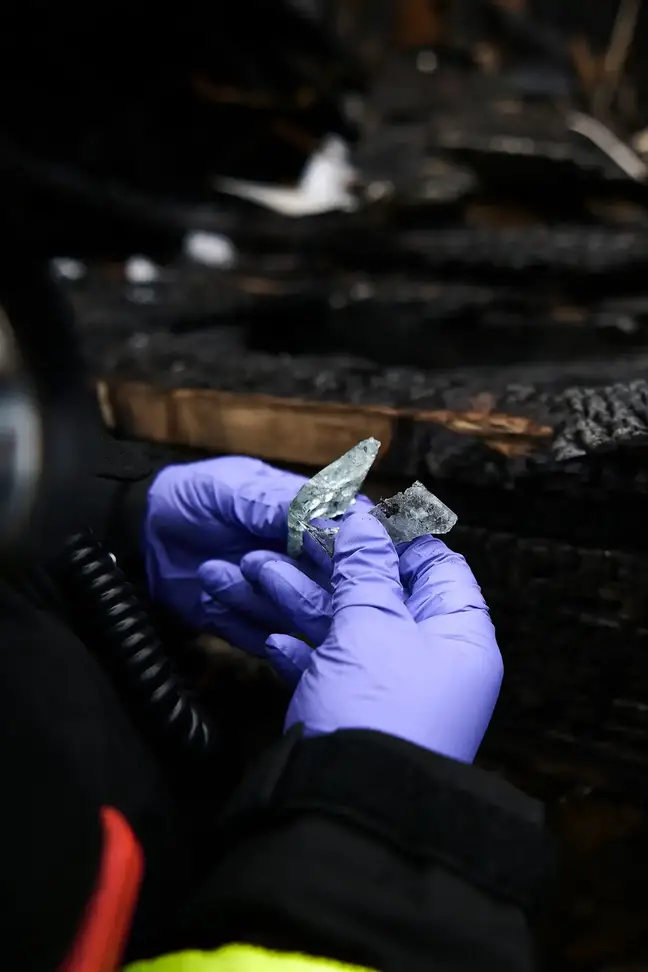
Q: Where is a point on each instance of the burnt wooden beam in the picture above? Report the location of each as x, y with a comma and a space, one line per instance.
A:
295, 430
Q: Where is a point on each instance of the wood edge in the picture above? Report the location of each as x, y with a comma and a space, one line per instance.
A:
290, 429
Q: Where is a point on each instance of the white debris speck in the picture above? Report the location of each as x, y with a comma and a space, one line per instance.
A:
140, 270
210, 249
68, 268
325, 185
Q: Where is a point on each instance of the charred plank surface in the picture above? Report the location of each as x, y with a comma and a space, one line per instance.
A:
277, 428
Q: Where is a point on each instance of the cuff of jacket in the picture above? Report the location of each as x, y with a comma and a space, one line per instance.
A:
122, 476
125, 524
426, 806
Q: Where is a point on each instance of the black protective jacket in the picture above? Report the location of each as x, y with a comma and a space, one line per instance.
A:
356, 847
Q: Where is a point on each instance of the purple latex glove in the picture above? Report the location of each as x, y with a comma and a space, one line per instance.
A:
405, 645
221, 508
228, 509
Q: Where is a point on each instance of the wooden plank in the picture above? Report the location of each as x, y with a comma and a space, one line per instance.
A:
293, 430
277, 429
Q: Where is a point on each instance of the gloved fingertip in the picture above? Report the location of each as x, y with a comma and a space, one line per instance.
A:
359, 527
303, 605
362, 503
427, 545
288, 656
285, 584
253, 563
430, 560
214, 575
365, 565
362, 515
423, 550
278, 571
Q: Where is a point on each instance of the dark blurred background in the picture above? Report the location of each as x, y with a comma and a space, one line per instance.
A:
287, 226
473, 183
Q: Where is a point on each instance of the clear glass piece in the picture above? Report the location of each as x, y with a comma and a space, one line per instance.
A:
330, 492
416, 512
325, 536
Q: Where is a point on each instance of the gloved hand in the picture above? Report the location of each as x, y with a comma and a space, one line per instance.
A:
202, 519
404, 645
221, 508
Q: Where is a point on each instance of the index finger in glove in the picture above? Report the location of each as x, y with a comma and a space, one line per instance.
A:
313, 561
248, 493
366, 568
301, 601
315, 553
253, 563
224, 582
439, 581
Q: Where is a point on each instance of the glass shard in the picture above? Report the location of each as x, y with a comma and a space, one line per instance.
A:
330, 492
414, 513
325, 536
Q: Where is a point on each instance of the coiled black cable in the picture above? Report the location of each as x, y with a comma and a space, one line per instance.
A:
132, 649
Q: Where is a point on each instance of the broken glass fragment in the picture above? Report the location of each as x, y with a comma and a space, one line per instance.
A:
325, 536
330, 492
414, 513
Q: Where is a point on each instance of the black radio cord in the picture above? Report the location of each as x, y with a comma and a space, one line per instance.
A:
130, 648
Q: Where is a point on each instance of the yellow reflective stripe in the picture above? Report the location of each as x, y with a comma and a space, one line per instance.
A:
240, 958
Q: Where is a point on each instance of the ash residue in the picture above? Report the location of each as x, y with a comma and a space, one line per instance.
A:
219, 358
390, 507
602, 418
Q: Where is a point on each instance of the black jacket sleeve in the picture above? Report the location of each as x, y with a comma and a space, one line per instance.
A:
113, 494
365, 849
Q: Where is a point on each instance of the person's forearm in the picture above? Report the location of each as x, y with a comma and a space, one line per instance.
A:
375, 853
